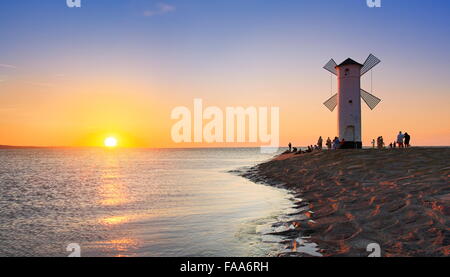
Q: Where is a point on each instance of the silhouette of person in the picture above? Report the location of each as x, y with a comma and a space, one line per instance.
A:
400, 138
329, 143
407, 139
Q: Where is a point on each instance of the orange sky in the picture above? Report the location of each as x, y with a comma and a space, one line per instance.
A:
63, 113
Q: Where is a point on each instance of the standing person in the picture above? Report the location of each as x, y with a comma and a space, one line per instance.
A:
342, 143
336, 143
319, 143
373, 143
400, 138
290, 146
407, 139
329, 143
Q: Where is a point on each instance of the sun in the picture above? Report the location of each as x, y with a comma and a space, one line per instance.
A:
111, 142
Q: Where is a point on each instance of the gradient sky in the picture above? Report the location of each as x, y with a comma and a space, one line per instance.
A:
70, 77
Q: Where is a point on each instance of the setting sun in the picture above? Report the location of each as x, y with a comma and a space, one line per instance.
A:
110, 142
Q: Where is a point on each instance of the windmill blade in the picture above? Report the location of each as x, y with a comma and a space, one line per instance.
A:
331, 66
370, 100
331, 103
370, 63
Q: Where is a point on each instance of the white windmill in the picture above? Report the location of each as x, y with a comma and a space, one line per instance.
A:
348, 98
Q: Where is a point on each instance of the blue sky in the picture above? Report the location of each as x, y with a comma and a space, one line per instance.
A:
195, 30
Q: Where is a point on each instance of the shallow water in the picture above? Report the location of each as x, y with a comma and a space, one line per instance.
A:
124, 202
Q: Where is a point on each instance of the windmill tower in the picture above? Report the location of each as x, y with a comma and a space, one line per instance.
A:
348, 98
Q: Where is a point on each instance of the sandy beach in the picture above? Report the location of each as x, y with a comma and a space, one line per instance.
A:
398, 198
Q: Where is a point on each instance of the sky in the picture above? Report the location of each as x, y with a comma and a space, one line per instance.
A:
73, 76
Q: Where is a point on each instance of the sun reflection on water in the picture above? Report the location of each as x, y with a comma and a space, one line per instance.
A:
123, 247
113, 194
115, 220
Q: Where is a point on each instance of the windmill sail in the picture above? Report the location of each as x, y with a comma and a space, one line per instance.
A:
331, 103
331, 66
370, 63
370, 100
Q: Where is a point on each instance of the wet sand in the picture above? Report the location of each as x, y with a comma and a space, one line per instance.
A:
398, 198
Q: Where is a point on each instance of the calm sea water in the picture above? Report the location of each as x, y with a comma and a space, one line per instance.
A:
136, 203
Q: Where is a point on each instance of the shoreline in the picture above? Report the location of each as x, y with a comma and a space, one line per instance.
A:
398, 198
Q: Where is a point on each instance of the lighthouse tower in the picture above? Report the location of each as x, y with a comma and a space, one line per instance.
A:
348, 99
349, 103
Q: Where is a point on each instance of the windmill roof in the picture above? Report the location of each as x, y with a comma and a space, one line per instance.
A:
349, 62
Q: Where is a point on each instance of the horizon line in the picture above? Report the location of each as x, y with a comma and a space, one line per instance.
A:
3, 147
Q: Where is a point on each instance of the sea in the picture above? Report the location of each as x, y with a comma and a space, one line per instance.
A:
138, 203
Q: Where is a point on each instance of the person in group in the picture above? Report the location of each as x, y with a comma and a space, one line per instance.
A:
395, 144
290, 146
390, 145
380, 142
400, 138
328, 143
373, 143
320, 143
341, 145
336, 143
407, 140
294, 150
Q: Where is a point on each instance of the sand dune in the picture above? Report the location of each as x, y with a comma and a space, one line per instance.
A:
398, 198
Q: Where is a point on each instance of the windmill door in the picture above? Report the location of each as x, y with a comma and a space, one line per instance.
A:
350, 133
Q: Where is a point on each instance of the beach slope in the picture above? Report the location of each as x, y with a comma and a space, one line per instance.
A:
398, 198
